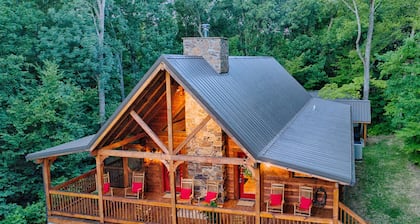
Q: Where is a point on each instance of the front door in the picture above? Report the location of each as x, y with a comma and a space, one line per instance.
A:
247, 183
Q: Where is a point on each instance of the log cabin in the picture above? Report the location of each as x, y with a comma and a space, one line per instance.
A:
240, 123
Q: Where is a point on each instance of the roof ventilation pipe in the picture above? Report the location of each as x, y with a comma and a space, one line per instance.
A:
206, 28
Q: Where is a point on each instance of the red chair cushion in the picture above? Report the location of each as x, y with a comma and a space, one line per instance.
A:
305, 203
185, 193
210, 195
275, 199
136, 186
106, 188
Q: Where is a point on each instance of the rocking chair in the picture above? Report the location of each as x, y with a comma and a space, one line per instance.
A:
211, 193
304, 206
187, 191
106, 187
276, 201
137, 186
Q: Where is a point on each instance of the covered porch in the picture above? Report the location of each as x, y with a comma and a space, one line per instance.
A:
79, 200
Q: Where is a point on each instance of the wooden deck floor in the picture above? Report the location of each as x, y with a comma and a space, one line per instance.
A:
231, 204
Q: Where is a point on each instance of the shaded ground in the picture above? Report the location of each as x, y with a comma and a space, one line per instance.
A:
388, 185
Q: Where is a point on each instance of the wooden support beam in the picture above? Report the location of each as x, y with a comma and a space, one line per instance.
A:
134, 146
167, 157
192, 134
335, 203
124, 142
365, 133
177, 163
126, 171
149, 131
142, 107
165, 163
46, 173
257, 194
152, 108
169, 112
172, 170
99, 184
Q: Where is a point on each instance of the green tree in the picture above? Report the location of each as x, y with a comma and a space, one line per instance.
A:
402, 67
50, 112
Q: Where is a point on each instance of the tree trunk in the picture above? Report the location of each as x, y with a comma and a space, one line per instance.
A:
100, 30
366, 58
366, 64
121, 75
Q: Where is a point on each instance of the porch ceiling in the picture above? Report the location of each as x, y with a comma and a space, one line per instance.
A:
151, 99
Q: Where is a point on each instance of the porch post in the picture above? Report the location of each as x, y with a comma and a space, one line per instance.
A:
172, 170
99, 183
125, 171
335, 203
46, 168
257, 194
365, 132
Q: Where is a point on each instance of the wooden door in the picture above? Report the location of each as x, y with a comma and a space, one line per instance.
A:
247, 183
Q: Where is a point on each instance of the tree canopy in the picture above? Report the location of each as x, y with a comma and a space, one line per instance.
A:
53, 55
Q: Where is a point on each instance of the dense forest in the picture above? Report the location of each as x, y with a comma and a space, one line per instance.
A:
65, 65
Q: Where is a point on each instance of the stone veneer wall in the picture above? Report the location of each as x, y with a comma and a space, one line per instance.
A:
208, 142
214, 49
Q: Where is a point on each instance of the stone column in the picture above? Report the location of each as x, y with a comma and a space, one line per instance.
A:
207, 142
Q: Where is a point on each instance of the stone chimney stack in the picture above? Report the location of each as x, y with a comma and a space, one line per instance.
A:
214, 49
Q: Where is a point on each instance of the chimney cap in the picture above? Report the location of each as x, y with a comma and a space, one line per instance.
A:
206, 28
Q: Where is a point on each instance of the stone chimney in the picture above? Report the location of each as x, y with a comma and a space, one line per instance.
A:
214, 49
209, 140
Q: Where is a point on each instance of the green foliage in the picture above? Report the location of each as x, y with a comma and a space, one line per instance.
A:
45, 104
51, 112
402, 67
34, 213
346, 91
19, 25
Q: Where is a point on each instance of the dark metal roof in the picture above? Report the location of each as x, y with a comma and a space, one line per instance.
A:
79, 145
360, 110
252, 102
271, 115
257, 103
317, 141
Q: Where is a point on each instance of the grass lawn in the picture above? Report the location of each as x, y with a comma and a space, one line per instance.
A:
388, 185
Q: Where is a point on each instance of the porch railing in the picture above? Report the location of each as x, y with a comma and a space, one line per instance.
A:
74, 199
187, 214
347, 216
78, 205
84, 183
122, 210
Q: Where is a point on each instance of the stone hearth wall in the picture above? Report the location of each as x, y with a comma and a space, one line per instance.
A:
207, 142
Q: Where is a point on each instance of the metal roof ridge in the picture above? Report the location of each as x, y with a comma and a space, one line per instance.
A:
180, 56
348, 100
265, 149
250, 57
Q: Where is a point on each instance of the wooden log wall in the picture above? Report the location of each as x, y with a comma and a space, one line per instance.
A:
271, 174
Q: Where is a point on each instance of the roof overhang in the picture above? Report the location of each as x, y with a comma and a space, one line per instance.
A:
76, 146
318, 141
